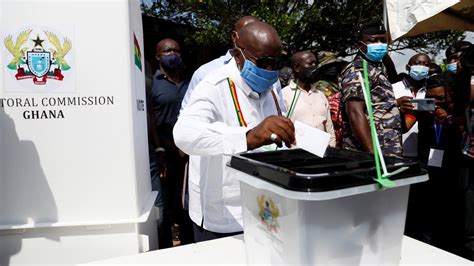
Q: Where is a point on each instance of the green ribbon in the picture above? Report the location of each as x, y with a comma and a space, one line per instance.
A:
382, 180
295, 99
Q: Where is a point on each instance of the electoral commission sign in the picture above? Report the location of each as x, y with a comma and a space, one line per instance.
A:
39, 73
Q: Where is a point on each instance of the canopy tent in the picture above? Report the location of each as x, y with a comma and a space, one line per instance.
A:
409, 18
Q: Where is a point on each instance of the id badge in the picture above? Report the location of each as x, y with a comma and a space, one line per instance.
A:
435, 158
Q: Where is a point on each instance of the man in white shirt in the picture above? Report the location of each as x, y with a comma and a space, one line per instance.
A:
207, 68
232, 110
303, 100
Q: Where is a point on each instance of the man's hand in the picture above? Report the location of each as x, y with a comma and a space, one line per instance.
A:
260, 135
162, 164
440, 115
181, 153
405, 104
355, 109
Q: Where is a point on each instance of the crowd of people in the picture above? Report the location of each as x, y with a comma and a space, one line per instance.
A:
249, 98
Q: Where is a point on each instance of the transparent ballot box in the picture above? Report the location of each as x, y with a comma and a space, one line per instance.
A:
302, 209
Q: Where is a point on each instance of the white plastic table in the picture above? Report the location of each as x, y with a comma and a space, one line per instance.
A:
231, 250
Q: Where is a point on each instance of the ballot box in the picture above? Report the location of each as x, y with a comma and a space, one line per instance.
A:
302, 209
74, 171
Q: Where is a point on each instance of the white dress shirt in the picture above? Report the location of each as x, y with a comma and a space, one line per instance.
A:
208, 130
202, 71
311, 107
409, 138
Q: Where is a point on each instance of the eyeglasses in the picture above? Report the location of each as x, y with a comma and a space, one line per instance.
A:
266, 62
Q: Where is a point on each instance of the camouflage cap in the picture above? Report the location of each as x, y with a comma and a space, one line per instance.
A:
326, 58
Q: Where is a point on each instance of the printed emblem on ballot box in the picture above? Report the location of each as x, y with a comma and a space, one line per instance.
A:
268, 213
38, 55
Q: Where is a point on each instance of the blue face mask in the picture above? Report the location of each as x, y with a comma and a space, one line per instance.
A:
258, 79
172, 61
376, 51
418, 72
452, 68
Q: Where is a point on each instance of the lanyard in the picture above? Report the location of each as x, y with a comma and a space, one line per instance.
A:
438, 128
295, 99
235, 99
238, 110
276, 103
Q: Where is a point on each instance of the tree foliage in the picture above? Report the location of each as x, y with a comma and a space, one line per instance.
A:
320, 25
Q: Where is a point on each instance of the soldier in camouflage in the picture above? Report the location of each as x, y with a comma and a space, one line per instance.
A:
372, 46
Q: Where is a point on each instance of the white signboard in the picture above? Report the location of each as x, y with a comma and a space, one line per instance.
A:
404, 14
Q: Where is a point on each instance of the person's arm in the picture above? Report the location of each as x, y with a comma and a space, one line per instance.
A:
352, 97
197, 131
329, 127
404, 104
410, 121
195, 79
279, 125
471, 99
390, 68
153, 133
355, 110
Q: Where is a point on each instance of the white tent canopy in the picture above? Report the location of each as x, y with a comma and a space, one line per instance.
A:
410, 17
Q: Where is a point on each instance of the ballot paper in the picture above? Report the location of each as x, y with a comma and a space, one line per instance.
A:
435, 158
311, 139
400, 90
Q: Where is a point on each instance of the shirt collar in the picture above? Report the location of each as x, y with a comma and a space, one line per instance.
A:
162, 76
228, 56
293, 86
410, 87
159, 74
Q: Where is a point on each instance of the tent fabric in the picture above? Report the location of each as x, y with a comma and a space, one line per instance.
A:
407, 18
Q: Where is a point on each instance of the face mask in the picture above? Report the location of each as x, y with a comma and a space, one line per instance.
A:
258, 79
452, 68
418, 72
172, 61
329, 73
308, 75
376, 51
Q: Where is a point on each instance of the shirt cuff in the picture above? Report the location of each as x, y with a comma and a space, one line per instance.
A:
234, 140
410, 116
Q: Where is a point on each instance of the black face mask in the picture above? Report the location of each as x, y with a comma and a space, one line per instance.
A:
330, 72
308, 75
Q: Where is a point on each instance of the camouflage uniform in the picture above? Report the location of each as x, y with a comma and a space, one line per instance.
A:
386, 114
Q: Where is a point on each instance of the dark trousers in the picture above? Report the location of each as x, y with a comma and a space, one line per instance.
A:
172, 190
201, 234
